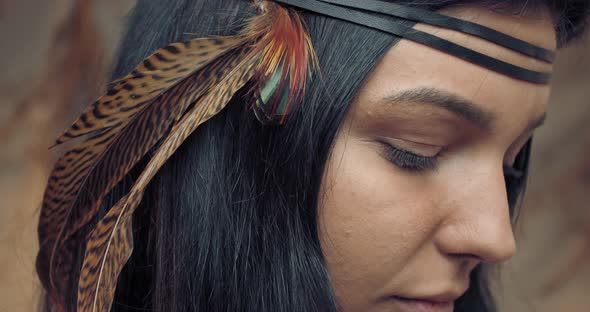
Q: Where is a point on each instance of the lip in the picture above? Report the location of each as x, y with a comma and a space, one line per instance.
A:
424, 305
441, 302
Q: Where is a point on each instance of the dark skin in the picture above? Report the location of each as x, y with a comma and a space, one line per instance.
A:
414, 195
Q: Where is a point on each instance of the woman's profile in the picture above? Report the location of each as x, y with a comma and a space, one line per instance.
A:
303, 155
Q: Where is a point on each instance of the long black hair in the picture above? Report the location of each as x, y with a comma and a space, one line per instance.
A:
230, 222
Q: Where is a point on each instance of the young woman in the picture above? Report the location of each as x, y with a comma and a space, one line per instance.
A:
390, 185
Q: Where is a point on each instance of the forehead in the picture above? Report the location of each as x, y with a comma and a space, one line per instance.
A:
409, 65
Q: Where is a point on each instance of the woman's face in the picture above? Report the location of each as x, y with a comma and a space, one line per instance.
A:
414, 195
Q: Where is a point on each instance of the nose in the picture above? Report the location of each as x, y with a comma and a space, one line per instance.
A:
478, 221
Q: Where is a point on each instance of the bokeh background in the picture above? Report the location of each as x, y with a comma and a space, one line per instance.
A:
56, 55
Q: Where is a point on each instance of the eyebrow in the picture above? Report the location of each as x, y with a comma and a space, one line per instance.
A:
455, 104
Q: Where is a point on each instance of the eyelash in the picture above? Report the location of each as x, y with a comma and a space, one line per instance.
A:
409, 161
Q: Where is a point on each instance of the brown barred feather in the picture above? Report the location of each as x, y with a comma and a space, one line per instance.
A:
153, 76
86, 173
110, 244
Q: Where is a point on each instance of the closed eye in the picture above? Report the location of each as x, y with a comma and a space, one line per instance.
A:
408, 160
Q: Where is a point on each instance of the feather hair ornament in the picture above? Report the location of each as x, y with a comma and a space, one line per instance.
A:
162, 101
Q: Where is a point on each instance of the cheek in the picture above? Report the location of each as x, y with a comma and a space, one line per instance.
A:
373, 218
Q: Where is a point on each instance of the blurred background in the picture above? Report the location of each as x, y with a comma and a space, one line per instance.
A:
55, 55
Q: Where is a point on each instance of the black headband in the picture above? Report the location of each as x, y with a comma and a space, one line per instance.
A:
341, 9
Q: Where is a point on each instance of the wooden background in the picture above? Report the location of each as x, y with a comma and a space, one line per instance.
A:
55, 54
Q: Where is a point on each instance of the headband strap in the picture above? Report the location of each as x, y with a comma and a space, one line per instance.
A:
397, 29
449, 22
